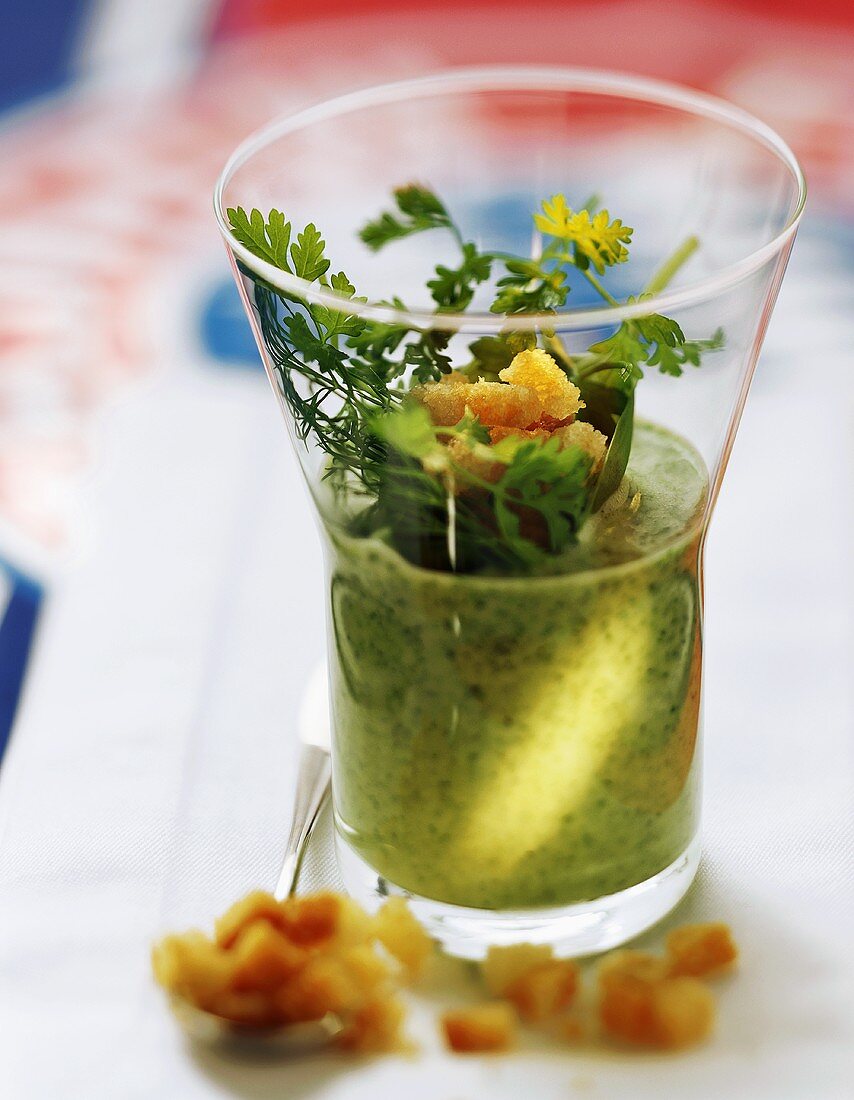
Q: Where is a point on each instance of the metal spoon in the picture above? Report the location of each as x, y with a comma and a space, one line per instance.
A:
312, 788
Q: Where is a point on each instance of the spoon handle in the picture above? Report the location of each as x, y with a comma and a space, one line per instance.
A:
312, 785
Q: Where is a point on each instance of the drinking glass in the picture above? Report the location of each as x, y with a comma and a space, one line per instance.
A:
518, 753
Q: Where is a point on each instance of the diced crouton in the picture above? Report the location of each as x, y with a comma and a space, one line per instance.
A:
699, 949
684, 1011
313, 919
490, 402
510, 406
640, 1004
355, 926
259, 905
641, 965
497, 433
581, 434
482, 1029
536, 370
572, 1030
264, 958
297, 961
323, 985
627, 980
504, 965
368, 970
401, 934
545, 990
191, 966
374, 1027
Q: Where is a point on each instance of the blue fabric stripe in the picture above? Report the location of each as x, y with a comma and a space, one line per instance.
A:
38, 46
17, 631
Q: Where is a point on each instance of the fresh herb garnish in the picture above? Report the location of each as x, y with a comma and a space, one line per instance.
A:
342, 378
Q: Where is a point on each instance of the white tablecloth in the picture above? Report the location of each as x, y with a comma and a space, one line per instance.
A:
148, 781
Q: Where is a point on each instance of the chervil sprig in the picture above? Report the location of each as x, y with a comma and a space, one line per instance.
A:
418, 209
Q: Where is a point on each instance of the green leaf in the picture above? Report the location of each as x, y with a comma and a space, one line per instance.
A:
378, 339
670, 359
469, 428
453, 287
529, 287
267, 239
342, 285
337, 322
616, 457
547, 481
421, 210
421, 203
624, 347
408, 429
307, 254
313, 348
657, 329
493, 353
427, 356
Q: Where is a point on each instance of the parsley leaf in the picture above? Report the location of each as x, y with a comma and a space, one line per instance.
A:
670, 358
453, 287
379, 339
427, 357
267, 238
421, 210
654, 340
530, 287
548, 483
307, 254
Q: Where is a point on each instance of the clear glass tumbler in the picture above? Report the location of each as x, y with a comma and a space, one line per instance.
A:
515, 746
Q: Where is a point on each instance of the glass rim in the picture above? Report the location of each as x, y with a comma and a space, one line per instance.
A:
519, 78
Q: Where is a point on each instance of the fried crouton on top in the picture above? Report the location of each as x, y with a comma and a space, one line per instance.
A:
536, 370
491, 402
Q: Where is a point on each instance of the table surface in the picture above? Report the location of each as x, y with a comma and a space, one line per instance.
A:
148, 781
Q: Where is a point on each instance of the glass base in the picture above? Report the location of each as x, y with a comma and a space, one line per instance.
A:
582, 929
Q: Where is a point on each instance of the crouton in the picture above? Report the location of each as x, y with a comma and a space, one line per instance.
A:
581, 434
639, 1003
192, 967
263, 958
483, 1029
374, 1027
536, 370
504, 965
313, 919
545, 990
401, 935
323, 985
490, 402
299, 960
259, 905
695, 950
684, 1012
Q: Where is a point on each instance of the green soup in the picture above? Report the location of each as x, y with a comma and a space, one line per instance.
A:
522, 742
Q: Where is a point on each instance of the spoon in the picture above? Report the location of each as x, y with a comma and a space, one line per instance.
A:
312, 788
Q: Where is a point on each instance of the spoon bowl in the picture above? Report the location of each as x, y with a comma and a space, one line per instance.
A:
252, 1041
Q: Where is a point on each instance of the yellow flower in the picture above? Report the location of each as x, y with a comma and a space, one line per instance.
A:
599, 239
